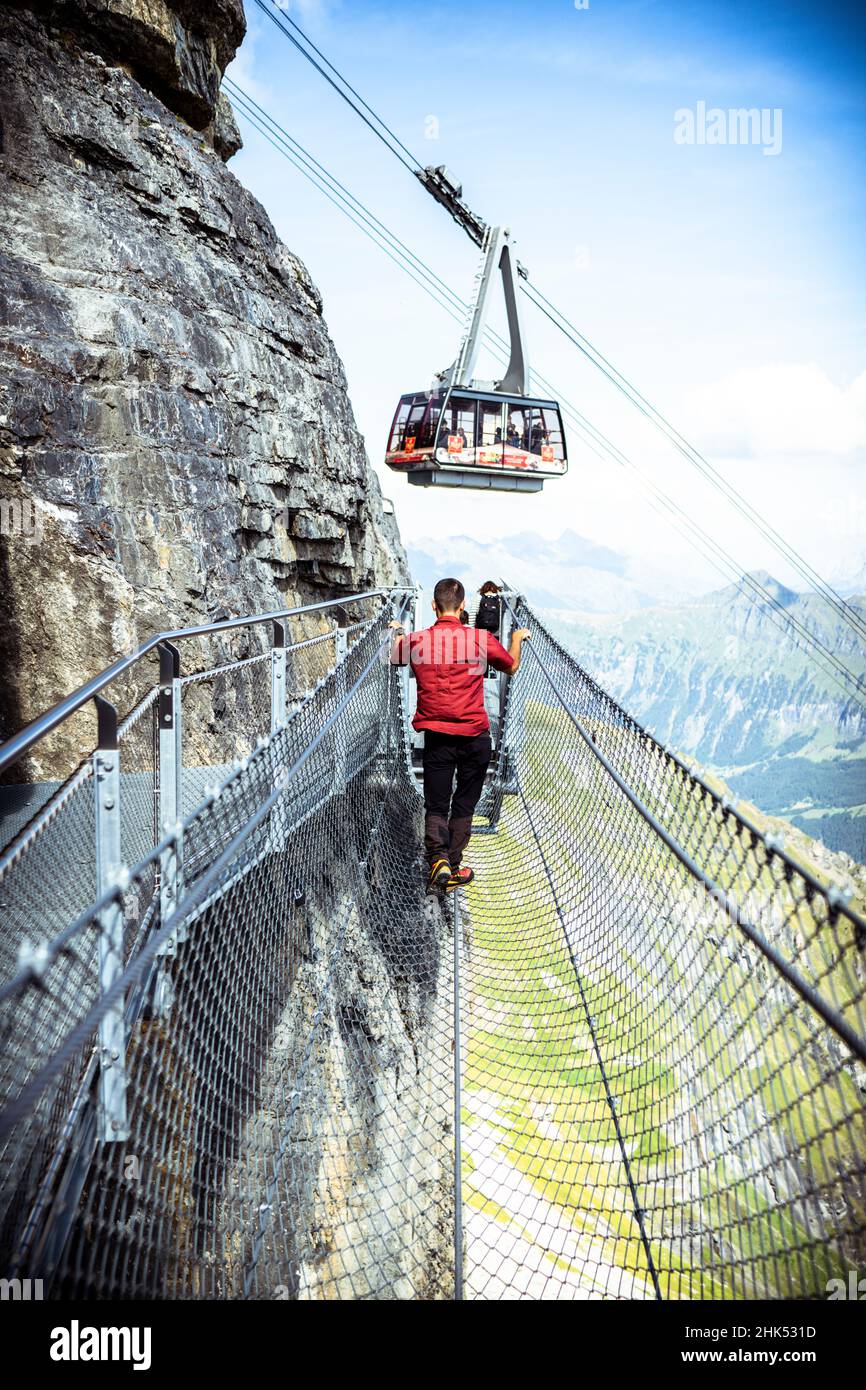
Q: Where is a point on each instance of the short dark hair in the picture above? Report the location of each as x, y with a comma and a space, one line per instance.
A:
449, 595
489, 587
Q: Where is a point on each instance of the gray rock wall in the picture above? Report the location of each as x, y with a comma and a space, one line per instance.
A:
364, 1202
176, 439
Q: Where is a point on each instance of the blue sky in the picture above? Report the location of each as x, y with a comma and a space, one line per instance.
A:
727, 283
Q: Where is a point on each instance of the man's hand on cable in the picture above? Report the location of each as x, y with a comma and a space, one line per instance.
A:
398, 638
518, 637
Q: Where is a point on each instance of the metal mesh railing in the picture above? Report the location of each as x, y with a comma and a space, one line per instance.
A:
657, 1099
659, 1044
289, 1067
224, 711
48, 846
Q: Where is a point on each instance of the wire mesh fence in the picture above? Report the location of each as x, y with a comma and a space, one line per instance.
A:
48, 829
223, 711
48, 873
289, 1065
660, 1051
657, 1098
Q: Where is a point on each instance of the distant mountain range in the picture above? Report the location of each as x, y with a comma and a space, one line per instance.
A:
571, 572
717, 678
713, 674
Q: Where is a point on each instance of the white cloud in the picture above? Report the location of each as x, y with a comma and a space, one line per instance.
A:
778, 408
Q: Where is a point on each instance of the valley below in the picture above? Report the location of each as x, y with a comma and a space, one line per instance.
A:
718, 678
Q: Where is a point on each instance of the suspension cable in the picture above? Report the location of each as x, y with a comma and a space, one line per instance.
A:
394, 144
337, 193
840, 606
402, 256
457, 929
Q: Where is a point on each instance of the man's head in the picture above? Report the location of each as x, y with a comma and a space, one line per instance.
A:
448, 596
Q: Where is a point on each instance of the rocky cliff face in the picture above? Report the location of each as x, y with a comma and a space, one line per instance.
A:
176, 439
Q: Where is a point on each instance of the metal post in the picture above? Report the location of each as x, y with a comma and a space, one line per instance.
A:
458, 1158
340, 740
516, 376
389, 749
170, 787
416, 738
506, 630
397, 685
461, 372
279, 717
499, 254
113, 1125
402, 672
278, 678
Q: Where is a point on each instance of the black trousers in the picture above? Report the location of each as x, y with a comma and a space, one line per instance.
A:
454, 768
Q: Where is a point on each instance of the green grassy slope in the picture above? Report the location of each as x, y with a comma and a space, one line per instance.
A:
596, 970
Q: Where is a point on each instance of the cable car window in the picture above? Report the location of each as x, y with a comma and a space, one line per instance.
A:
398, 429
537, 431
517, 426
457, 431
490, 434
426, 433
553, 452
517, 436
413, 424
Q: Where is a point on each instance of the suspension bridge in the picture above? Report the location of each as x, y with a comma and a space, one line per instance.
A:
245, 1057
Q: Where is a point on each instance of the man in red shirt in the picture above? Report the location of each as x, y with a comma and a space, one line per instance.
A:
449, 661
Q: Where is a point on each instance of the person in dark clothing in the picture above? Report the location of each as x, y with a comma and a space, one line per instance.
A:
489, 614
538, 438
448, 661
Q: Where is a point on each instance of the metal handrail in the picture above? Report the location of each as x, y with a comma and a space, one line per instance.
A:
20, 743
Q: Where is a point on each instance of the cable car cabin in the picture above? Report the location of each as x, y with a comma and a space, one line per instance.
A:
469, 438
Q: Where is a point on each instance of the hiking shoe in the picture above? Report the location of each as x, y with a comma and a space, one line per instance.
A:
440, 873
459, 879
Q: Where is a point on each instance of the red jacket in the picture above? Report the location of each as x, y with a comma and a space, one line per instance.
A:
448, 661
